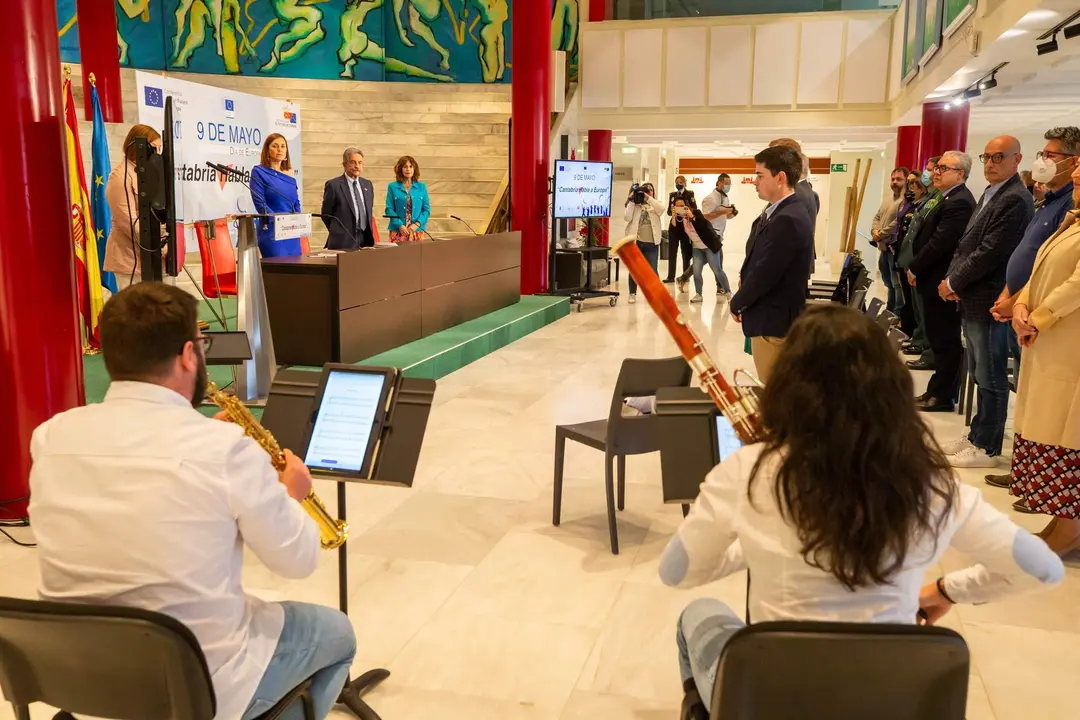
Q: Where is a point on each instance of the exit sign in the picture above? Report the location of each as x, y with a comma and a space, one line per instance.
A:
838, 167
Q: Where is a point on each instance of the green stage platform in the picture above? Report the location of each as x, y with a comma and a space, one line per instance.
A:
432, 357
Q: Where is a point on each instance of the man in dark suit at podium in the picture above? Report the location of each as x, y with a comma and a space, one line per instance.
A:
346, 206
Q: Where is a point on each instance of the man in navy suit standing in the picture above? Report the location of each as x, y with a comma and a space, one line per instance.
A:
773, 290
346, 206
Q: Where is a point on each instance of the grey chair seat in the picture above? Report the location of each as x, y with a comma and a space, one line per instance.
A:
619, 435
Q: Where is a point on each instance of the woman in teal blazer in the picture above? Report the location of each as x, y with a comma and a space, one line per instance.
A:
407, 203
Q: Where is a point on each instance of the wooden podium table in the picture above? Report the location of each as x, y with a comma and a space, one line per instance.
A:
354, 305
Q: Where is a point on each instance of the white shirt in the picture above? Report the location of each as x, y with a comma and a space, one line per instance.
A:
141, 501
725, 533
713, 202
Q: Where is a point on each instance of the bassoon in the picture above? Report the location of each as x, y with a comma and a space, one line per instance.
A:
739, 404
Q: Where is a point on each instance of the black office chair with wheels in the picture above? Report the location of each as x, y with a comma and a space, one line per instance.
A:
841, 671
109, 662
619, 435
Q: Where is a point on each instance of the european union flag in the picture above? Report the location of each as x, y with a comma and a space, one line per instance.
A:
100, 169
154, 97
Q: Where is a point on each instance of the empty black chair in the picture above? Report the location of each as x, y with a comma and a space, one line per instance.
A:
618, 435
109, 662
873, 309
884, 319
897, 337
841, 671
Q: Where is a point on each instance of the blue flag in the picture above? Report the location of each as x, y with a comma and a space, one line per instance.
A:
99, 208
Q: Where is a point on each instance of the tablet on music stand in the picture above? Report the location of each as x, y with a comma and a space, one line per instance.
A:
725, 440
351, 405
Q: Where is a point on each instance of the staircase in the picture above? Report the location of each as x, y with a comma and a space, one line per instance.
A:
458, 134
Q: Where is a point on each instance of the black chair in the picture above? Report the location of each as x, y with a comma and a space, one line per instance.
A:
897, 337
873, 309
109, 662
841, 671
618, 435
884, 319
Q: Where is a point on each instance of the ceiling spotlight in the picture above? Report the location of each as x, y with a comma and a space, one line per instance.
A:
1047, 47
972, 92
988, 83
1072, 31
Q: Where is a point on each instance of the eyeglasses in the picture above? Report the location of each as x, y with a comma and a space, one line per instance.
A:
940, 169
1050, 154
996, 158
206, 340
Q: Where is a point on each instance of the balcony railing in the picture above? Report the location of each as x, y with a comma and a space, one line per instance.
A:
650, 9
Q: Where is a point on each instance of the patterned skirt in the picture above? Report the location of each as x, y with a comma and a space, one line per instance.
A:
1047, 478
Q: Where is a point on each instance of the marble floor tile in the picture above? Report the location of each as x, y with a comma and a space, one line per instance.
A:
521, 577
433, 526
394, 701
1026, 673
529, 662
593, 705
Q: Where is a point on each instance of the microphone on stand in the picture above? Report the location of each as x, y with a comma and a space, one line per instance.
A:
460, 220
390, 216
343, 226
226, 170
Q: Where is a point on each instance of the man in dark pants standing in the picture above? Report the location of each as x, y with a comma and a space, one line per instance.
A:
975, 278
677, 238
933, 248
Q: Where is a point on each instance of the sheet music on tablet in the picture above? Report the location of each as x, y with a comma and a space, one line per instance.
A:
339, 439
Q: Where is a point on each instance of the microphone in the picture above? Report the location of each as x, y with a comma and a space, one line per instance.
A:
455, 217
226, 170
390, 216
348, 232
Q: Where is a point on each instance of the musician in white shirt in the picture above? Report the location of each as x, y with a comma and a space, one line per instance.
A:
142, 501
843, 524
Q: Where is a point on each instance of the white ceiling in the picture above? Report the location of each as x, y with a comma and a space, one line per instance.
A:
1034, 92
746, 142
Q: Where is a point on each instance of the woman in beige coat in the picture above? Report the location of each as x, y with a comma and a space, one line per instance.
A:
1046, 449
122, 195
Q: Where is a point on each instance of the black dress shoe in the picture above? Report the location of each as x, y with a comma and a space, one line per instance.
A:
911, 350
1020, 506
919, 365
922, 397
933, 404
999, 481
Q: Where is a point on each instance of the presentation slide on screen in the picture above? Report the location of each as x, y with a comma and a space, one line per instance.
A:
582, 189
343, 426
222, 126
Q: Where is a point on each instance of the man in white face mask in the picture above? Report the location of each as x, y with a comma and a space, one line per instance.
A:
1052, 168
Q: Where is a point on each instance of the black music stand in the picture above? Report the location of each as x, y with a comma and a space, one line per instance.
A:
685, 424
288, 412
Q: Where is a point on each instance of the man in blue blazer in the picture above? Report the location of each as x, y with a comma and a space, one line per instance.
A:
773, 276
346, 205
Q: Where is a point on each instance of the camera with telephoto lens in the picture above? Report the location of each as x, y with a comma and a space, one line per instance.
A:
637, 194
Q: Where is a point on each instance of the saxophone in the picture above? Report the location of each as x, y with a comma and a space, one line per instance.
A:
333, 533
739, 404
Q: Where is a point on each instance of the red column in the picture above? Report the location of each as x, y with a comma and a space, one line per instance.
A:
599, 10
99, 55
40, 359
530, 144
600, 151
943, 128
907, 147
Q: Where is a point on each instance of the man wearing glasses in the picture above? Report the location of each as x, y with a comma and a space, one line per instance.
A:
1052, 169
975, 278
141, 501
933, 247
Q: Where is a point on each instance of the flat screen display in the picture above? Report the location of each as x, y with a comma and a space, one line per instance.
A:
727, 442
582, 189
342, 431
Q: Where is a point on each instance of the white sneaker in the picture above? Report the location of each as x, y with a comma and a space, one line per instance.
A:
682, 284
956, 446
633, 299
696, 298
973, 457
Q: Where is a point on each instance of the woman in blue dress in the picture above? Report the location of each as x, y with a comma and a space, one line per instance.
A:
407, 203
274, 190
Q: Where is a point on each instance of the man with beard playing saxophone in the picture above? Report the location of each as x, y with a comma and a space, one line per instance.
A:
142, 501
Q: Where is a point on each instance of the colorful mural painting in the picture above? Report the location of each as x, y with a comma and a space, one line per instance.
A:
420, 40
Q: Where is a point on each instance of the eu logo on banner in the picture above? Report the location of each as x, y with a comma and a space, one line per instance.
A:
230, 108
154, 97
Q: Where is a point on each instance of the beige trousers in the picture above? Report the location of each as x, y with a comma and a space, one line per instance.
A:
765, 351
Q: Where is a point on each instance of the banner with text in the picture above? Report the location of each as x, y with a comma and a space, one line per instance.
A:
220, 126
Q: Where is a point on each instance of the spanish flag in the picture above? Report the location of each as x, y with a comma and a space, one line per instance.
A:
87, 265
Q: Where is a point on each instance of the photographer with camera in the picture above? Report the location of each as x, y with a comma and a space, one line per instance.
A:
642, 214
677, 239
